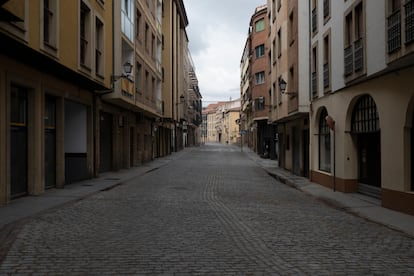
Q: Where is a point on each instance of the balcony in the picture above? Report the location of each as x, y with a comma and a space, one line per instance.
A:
127, 87
394, 31
409, 21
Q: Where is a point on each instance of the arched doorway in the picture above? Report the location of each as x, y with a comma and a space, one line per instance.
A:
365, 127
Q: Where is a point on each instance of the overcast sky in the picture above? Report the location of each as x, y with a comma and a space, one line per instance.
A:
217, 32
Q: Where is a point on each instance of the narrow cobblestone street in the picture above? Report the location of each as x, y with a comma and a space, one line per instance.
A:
212, 211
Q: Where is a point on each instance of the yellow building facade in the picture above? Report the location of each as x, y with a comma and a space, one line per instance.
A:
84, 89
48, 74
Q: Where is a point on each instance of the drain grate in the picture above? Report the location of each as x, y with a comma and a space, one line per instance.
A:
112, 178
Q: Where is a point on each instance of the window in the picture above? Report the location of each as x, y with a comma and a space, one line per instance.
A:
348, 52
400, 21
365, 117
314, 73
274, 50
260, 25
326, 9
85, 14
291, 79
49, 22
146, 36
138, 27
409, 21
127, 18
279, 43
326, 62
324, 143
279, 90
153, 46
259, 103
138, 78
260, 77
314, 16
99, 47
154, 88
291, 33
146, 82
260, 51
354, 58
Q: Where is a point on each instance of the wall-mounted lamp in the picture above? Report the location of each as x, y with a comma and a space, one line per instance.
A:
182, 98
283, 85
127, 69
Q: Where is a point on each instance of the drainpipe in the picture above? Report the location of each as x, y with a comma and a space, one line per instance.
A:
310, 84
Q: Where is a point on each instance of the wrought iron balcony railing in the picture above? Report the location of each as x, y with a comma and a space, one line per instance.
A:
394, 31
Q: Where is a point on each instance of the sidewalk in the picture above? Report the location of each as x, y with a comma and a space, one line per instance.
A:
26, 207
358, 204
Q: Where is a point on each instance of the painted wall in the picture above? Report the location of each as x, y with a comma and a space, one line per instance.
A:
392, 95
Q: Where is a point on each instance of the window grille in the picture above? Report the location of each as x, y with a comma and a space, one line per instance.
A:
365, 117
394, 31
326, 79
409, 21
349, 60
359, 54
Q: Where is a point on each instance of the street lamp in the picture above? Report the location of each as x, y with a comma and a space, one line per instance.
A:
127, 69
283, 85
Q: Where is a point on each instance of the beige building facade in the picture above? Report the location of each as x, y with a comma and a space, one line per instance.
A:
362, 99
289, 58
174, 62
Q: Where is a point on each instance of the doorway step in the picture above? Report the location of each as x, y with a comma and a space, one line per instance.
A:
369, 190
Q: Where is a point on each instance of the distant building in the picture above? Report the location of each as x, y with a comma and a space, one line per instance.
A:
255, 96
223, 122
289, 58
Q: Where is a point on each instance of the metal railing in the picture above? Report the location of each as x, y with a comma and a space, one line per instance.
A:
409, 21
349, 60
394, 31
358, 54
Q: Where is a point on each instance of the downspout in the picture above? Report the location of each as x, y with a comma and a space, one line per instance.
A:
310, 85
113, 44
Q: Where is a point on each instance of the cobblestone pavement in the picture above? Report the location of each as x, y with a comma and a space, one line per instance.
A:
214, 212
